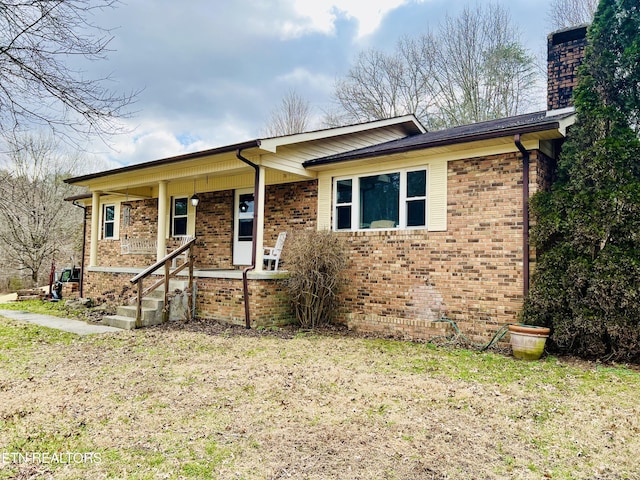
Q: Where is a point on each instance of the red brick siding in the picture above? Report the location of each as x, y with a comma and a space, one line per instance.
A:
472, 273
222, 299
113, 288
289, 207
214, 224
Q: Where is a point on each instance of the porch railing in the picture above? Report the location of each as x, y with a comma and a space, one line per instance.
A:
165, 262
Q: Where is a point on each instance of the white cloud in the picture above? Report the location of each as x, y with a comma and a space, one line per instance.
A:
320, 15
311, 80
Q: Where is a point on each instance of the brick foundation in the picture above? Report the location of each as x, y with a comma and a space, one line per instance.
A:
222, 299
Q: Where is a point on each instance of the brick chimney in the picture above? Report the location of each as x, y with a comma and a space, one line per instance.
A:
565, 51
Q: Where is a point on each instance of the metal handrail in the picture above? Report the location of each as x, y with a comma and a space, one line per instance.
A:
166, 262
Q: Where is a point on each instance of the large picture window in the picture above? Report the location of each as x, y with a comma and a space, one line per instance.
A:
386, 200
179, 215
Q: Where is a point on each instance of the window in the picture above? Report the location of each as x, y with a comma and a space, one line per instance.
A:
179, 215
416, 198
343, 204
245, 217
387, 200
108, 221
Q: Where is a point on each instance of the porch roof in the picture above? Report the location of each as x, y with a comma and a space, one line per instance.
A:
285, 154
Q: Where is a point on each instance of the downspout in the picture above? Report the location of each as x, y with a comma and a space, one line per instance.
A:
256, 199
84, 246
525, 213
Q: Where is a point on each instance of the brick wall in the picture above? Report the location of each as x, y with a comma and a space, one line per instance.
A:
222, 299
565, 52
214, 224
400, 282
111, 288
288, 207
472, 273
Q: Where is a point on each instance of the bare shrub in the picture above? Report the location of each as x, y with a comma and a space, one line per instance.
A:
315, 261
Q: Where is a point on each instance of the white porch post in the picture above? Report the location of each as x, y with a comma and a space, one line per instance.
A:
162, 219
95, 229
260, 214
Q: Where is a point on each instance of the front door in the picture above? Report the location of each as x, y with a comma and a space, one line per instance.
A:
243, 227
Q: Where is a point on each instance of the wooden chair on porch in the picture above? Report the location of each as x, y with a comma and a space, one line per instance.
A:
183, 256
272, 254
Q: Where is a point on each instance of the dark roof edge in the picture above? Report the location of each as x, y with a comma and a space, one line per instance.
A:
436, 143
73, 198
165, 161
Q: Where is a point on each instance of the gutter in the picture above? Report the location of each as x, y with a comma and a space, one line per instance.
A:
411, 144
256, 200
164, 161
84, 246
525, 213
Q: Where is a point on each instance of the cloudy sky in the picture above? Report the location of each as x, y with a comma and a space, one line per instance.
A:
211, 71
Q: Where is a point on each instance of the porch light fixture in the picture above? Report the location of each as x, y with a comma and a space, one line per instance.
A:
195, 200
244, 207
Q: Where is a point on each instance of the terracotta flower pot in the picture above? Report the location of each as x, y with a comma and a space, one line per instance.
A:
527, 341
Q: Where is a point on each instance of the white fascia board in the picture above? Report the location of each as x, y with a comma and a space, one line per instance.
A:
272, 144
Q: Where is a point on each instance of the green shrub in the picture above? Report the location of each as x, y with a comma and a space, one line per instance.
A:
315, 261
587, 281
15, 284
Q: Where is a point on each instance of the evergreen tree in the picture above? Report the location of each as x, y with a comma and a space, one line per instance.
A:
587, 282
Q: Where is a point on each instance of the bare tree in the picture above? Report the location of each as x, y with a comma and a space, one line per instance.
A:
381, 85
569, 13
293, 115
483, 71
36, 224
473, 68
39, 39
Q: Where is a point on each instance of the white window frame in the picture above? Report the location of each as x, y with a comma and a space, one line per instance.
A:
173, 216
403, 200
113, 222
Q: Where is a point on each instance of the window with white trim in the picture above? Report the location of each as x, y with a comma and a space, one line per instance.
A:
108, 221
381, 201
179, 216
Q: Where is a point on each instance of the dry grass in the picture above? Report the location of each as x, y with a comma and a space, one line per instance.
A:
217, 403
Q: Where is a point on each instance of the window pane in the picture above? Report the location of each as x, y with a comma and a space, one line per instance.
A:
344, 217
179, 226
180, 207
344, 191
417, 183
108, 230
416, 213
245, 204
245, 229
379, 199
109, 213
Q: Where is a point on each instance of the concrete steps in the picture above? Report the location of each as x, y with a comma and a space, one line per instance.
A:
152, 306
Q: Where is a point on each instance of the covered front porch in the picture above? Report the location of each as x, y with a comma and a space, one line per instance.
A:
232, 206
218, 198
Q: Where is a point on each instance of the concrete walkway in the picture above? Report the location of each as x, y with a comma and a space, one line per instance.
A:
67, 324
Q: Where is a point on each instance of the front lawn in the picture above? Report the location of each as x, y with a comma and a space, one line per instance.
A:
174, 402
